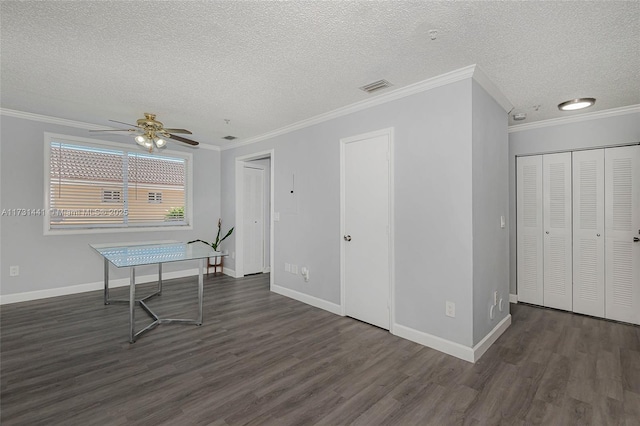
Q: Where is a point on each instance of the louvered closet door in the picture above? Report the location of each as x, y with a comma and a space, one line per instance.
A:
588, 232
622, 225
558, 259
529, 229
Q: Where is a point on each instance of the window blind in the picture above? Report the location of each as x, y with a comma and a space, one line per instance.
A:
92, 187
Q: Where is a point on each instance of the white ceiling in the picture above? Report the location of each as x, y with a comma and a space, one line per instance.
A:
267, 65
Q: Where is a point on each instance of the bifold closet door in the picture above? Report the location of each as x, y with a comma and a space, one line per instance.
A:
556, 206
529, 229
588, 232
622, 233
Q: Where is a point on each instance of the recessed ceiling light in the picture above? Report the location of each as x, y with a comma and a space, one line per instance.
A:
519, 116
575, 104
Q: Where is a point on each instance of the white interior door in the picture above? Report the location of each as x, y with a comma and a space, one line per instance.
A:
253, 220
529, 229
558, 259
588, 232
366, 229
622, 229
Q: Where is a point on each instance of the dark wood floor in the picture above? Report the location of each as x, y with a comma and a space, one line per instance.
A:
261, 358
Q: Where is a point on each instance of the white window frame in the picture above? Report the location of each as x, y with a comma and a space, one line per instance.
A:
55, 137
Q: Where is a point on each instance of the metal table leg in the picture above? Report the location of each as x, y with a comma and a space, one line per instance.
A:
200, 290
106, 281
132, 303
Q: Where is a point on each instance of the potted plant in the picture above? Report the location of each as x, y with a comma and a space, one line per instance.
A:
218, 261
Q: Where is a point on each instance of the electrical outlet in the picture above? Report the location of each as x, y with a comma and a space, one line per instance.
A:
450, 309
294, 269
14, 271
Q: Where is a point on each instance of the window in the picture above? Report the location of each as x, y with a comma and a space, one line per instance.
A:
110, 196
155, 197
95, 185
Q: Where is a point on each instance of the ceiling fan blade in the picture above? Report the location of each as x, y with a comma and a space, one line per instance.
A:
181, 139
132, 125
178, 131
114, 130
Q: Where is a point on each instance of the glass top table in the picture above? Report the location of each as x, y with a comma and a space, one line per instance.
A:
130, 255
149, 253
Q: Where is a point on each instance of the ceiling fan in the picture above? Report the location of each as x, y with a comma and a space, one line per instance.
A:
150, 132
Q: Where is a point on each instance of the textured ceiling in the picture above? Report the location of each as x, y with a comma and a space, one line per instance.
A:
266, 65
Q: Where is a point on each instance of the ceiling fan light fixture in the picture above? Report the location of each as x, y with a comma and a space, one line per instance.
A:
576, 104
160, 142
140, 139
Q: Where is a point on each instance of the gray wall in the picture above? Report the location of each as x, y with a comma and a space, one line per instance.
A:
490, 201
433, 205
53, 261
594, 133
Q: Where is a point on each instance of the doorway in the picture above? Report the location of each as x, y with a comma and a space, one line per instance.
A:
254, 236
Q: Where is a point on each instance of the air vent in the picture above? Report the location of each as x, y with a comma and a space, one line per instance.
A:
376, 85
229, 138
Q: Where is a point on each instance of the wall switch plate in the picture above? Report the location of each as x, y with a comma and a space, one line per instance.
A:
14, 271
450, 309
503, 222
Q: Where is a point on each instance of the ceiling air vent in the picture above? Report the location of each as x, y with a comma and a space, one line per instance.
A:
376, 85
229, 138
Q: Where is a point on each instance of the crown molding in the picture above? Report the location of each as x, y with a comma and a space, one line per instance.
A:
442, 80
613, 112
48, 119
70, 123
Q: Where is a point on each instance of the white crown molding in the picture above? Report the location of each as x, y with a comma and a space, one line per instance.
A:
70, 123
421, 86
48, 119
575, 118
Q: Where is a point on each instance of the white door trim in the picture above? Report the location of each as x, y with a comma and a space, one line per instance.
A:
389, 133
239, 234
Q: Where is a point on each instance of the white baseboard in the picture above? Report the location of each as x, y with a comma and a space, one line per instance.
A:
229, 271
434, 342
309, 300
513, 298
489, 339
452, 348
81, 288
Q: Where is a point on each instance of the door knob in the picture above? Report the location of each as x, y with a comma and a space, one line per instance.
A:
636, 239
347, 237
